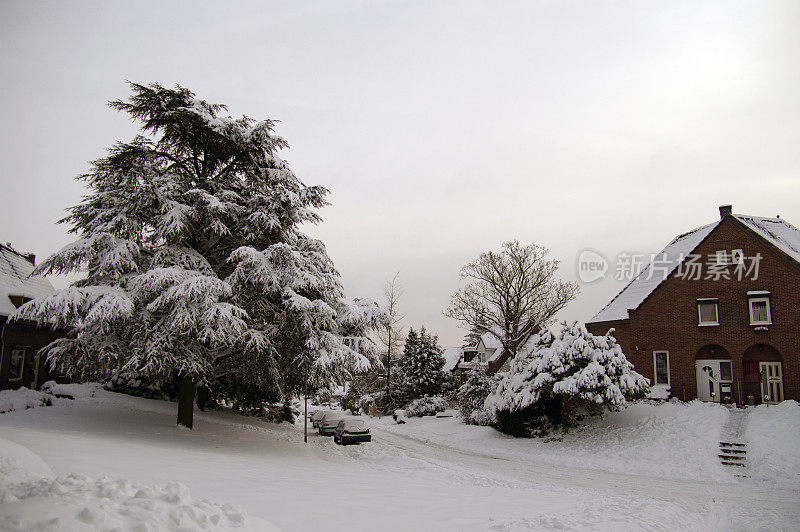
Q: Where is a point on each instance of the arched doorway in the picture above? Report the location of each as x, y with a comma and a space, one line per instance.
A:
714, 372
763, 374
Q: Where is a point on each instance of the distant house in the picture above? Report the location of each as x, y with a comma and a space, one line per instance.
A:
487, 352
715, 315
20, 365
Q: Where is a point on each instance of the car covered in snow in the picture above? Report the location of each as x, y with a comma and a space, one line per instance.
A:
316, 416
351, 430
327, 424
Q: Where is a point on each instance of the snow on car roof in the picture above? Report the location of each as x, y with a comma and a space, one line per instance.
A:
16, 280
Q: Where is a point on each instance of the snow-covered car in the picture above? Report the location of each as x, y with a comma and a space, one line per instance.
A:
316, 416
351, 430
327, 424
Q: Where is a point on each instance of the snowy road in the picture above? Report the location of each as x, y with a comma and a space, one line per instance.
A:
744, 498
394, 483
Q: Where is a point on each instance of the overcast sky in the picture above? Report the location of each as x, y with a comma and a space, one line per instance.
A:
442, 129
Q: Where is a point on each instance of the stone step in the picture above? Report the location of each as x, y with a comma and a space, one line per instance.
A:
737, 464
733, 451
732, 457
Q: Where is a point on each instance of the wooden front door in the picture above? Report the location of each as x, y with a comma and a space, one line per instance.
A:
771, 382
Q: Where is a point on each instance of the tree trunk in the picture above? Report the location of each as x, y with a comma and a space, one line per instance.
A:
186, 401
202, 398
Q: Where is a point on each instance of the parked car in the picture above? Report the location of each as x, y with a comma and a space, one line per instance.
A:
316, 416
351, 430
327, 424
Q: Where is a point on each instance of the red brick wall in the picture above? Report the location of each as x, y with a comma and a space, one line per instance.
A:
667, 320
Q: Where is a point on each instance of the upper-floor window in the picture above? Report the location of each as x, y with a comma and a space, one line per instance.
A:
661, 365
707, 311
759, 305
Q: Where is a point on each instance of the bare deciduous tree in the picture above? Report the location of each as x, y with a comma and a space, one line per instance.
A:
391, 336
512, 294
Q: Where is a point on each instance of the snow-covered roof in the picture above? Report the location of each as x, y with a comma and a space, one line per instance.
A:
16, 280
451, 357
778, 232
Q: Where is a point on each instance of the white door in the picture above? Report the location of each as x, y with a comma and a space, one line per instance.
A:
771, 382
708, 380
712, 377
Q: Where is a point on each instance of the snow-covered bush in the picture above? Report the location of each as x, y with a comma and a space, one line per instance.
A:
275, 413
426, 406
363, 403
472, 396
22, 399
563, 377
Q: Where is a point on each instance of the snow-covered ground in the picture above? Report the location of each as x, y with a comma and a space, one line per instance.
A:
471, 479
670, 440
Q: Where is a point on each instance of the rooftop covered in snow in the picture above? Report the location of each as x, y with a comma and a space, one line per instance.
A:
776, 231
16, 279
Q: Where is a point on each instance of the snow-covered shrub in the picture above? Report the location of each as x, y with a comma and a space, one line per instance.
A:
130, 383
275, 413
363, 403
425, 406
22, 399
561, 378
472, 396
71, 391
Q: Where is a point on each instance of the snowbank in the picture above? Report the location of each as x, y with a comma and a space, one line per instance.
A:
773, 434
669, 440
33, 498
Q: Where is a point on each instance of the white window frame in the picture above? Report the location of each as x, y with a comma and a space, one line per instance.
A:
722, 257
700, 321
655, 369
754, 299
17, 353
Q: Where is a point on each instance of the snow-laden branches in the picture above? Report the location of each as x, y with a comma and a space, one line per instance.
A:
574, 364
194, 262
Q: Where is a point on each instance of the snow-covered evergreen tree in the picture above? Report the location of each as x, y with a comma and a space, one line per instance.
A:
194, 262
472, 396
564, 372
422, 363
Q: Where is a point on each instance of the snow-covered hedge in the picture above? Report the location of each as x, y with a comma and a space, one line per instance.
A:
426, 406
561, 377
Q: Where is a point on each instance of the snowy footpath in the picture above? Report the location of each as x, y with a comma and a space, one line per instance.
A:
107, 460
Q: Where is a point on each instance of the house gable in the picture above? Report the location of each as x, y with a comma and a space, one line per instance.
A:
777, 235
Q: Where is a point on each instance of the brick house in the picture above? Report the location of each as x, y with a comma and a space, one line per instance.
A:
715, 315
20, 365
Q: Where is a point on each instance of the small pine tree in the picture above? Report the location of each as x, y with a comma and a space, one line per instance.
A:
472, 396
422, 363
562, 376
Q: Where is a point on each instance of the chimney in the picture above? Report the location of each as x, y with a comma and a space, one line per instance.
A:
725, 211
30, 257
